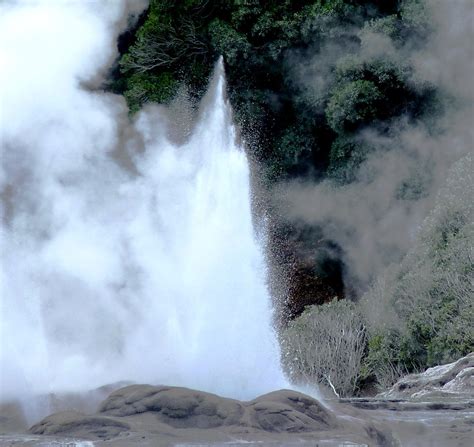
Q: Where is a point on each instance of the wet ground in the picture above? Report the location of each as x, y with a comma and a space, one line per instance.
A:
430, 423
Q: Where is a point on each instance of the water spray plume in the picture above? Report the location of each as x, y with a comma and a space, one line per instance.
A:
155, 275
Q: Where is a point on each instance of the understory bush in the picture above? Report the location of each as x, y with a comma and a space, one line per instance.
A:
325, 345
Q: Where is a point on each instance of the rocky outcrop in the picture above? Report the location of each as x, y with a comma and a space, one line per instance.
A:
159, 415
289, 411
177, 407
451, 380
74, 423
280, 411
433, 408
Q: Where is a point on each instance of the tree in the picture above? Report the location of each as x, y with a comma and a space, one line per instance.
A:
352, 105
325, 345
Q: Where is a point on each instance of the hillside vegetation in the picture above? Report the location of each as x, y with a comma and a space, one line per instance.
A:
302, 128
309, 81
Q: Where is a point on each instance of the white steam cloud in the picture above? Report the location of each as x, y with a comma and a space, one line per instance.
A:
124, 256
368, 218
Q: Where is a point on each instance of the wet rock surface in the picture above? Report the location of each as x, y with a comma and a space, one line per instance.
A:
407, 405
289, 411
183, 408
145, 415
161, 416
280, 411
451, 380
177, 407
420, 423
433, 408
75, 423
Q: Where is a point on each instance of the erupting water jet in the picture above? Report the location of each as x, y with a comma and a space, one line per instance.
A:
152, 277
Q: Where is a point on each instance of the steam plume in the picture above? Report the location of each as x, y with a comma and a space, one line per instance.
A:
368, 218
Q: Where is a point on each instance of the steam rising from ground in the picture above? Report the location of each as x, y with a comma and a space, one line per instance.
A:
149, 272
368, 218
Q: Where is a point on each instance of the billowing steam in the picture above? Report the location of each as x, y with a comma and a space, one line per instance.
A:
370, 219
124, 256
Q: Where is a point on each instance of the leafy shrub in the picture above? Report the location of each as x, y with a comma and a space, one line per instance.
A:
385, 73
346, 155
383, 361
410, 24
415, 19
394, 82
146, 87
293, 151
353, 105
228, 42
325, 345
388, 26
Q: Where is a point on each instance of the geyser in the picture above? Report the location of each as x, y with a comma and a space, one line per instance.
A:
155, 275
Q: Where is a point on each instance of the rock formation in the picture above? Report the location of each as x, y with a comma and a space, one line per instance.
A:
160, 415
451, 380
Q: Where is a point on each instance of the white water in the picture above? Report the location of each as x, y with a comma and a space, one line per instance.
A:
157, 277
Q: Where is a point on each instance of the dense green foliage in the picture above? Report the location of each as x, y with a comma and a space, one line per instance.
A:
180, 41
353, 104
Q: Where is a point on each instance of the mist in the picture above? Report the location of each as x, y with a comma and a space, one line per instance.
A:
370, 218
125, 254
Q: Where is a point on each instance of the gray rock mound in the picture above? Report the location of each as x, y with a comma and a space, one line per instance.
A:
178, 407
280, 411
75, 423
451, 380
289, 411
148, 415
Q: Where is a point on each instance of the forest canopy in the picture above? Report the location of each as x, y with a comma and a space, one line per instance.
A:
261, 42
